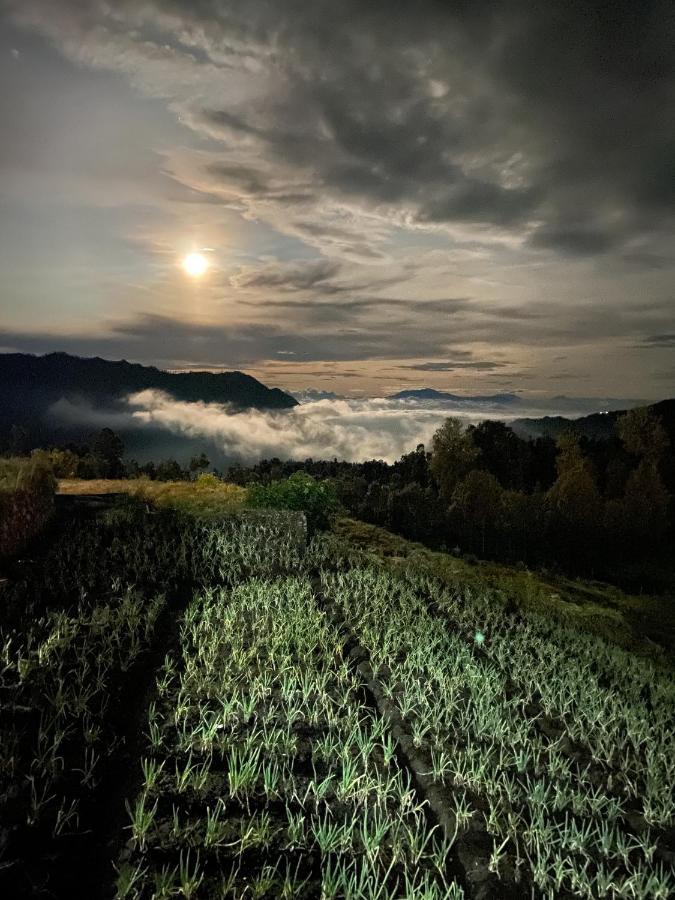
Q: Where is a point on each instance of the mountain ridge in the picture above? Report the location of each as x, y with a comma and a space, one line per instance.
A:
433, 394
30, 385
598, 425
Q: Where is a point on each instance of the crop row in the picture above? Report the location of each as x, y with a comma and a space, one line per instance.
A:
581, 803
78, 626
58, 686
267, 774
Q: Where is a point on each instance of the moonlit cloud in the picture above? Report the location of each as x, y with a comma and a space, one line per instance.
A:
351, 430
348, 429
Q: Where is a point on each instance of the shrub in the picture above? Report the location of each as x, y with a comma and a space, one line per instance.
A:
32, 474
26, 501
208, 480
63, 463
317, 499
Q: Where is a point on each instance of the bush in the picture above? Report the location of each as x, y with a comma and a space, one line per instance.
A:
26, 501
317, 499
63, 463
208, 480
32, 474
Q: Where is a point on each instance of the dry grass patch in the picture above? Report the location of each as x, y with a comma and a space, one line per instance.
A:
205, 497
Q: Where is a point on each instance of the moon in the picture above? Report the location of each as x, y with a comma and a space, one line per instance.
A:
195, 264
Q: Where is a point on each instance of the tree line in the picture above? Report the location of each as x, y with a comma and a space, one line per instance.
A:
581, 505
102, 456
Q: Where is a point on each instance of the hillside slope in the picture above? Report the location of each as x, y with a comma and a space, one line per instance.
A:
644, 624
30, 385
597, 425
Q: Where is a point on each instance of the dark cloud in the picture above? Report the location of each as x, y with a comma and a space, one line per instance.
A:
320, 277
660, 340
549, 115
646, 259
567, 376
170, 342
313, 275
508, 379
577, 239
481, 201
479, 365
553, 116
421, 307
420, 316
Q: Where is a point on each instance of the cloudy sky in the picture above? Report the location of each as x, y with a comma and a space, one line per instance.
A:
388, 194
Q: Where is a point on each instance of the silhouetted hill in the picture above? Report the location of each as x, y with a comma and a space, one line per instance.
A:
432, 394
599, 425
30, 385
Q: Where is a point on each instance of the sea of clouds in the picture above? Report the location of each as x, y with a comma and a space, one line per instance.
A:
349, 429
352, 430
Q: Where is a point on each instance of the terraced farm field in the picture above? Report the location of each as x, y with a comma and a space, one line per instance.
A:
209, 709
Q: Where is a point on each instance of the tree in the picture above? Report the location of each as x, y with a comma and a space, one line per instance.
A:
646, 503
351, 489
414, 467
452, 457
109, 447
375, 506
170, 470
646, 499
616, 476
149, 470
574, 500
417, 513
575, 497
502, 452
643, 434
476, 503
199, 463
569, 454
522, 522
131, 468
64, 463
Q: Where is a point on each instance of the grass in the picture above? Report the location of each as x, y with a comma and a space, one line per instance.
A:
20, 474
207, 498
644, 624
26, 501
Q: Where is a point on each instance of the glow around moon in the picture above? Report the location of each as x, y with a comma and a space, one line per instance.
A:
195, 264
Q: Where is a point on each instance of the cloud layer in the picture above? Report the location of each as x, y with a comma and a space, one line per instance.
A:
353, 430
547, 119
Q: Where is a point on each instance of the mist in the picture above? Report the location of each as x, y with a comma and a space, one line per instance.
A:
352, 430
155, 425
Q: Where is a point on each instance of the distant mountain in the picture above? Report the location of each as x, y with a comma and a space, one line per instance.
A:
31, 385
312, 395
443, 396
600, 425
575, 407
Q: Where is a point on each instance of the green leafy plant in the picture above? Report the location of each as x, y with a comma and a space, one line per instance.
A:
317, 499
